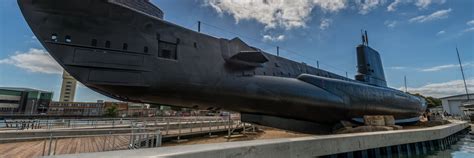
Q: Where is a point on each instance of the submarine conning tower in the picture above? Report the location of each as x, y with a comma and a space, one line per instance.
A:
369, 65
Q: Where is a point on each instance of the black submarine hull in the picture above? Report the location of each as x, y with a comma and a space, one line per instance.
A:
125, 50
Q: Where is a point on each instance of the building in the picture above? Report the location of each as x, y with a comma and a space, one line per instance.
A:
141, 110
24, 100
122, 107
452, 104
99, 108
468, 109
76, 108
68, 88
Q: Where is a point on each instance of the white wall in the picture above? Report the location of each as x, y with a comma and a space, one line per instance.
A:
454, 108
451, 105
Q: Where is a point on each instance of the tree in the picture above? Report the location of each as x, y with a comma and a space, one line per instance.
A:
430, 101
111, 111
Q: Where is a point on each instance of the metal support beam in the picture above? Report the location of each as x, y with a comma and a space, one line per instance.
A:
199, 26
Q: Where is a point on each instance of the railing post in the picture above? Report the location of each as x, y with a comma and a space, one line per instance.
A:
113, 142
228, 127
201, 124
167, 125
55, 146
132, 137
48, 125
140, 137
158, 139
50, 141
44, 146
105, 142
179, 128
192, 123
147, 144
145, 122
210, 128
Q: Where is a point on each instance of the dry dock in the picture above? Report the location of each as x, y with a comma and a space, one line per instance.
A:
375, 144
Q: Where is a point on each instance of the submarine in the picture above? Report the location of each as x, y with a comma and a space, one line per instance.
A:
124, 49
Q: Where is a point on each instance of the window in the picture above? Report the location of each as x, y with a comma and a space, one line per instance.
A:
68, 39
107, 44
125, 46
54, 37
145, 49
167, 50
94, 43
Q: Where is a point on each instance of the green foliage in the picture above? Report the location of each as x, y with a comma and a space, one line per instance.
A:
111, 111
430, 101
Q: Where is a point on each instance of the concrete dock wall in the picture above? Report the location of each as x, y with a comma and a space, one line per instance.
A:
314, 146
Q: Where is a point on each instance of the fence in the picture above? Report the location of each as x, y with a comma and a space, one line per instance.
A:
28, 124
56, 145
139, 133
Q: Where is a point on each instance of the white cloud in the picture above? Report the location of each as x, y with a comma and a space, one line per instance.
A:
365, 6
470, 23
423, 4
273, 38
439, 68
325, 24
398, 68
275, 13
393, 6
440, 14
468, 29
442, 32
34, 60
471, 26
443, 89
434, 68
444, 67
391, 24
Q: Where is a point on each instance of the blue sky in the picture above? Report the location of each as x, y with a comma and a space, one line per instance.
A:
416, 38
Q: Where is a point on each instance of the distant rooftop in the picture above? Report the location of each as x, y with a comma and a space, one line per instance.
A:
459, 95
22, 89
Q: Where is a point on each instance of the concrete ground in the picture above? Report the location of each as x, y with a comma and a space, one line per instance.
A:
263, 133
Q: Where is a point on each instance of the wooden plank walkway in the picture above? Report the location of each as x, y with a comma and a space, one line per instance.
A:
86, 144
63, 146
